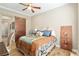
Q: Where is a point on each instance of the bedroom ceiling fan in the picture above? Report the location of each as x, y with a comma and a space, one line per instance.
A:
30, 7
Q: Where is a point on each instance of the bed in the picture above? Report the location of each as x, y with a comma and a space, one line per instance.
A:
36, 45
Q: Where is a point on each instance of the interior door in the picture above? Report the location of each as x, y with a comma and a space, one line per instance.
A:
20, 28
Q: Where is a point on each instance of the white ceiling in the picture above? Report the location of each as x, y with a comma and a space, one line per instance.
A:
16, 7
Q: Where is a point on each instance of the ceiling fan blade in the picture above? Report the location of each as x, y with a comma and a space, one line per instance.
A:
24, 9
23, 4
32, 10
36, 7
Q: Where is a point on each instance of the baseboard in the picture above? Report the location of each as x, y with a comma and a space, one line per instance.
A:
74, 49
58, 46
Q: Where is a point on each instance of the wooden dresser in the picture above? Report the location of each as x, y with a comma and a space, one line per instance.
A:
66, 37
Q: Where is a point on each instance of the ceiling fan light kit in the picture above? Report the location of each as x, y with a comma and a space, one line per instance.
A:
29, 8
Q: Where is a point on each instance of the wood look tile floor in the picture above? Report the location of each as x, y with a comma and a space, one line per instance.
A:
15, 52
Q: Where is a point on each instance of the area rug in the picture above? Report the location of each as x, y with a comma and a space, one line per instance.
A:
58, 52
3, 50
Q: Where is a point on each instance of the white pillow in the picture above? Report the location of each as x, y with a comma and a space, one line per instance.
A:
39, 33
53, 33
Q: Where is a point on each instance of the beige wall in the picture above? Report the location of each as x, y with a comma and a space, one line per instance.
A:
28, 24
61, 16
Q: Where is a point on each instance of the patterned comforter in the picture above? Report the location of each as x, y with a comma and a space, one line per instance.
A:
33, 45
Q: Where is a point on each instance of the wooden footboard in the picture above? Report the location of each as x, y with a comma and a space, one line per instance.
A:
24, 47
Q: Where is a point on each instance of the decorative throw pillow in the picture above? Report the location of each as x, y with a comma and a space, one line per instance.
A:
38, 33
53, 33
46, 33
41, 33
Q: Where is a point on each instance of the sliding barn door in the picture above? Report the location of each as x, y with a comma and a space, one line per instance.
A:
20, 28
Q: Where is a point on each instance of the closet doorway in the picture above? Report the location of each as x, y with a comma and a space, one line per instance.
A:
5, 29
